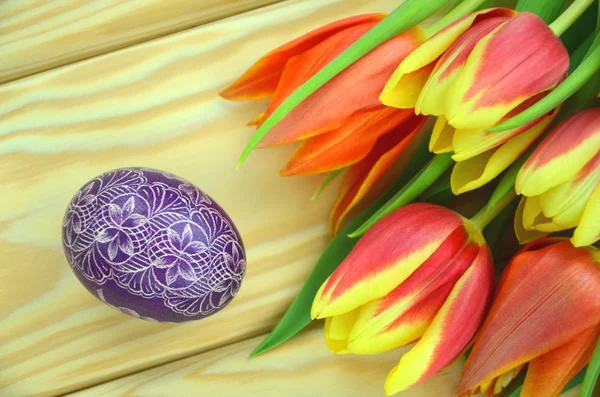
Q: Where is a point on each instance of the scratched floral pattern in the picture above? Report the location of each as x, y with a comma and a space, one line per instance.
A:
157, 238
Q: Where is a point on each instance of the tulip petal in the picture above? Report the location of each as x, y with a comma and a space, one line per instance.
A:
362, 176
562, 154
337, 329
588, 231
504, 70
408, 328
403, 88
548, 375
451, 330
475, 172
441, 136
335, 104
449, 66
384, 257
373, 333
349, 144
565, 203
496, 385
541, 305
523, 234
470, 143
260, 81
534, 218
257, 120
411, 325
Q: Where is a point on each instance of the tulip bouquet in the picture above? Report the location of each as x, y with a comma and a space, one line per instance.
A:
511, 95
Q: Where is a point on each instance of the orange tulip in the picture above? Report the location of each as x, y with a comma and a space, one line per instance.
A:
342, 124
546, 314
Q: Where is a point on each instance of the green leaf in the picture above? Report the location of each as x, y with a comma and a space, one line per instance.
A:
586, 96
597, 4
580, 29
508, 179
428, 175
494, 231
584, 72
547, 10
592, 373
514, 389
407, 15
579, 54
440, 192
297, 316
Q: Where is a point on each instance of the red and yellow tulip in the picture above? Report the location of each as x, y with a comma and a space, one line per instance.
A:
343, 124
423, 273
478, 71
560, 182
546, 313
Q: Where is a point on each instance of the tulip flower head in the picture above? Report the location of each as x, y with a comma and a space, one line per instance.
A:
342, 124
560, 182
423, 273
478, 71
546, 314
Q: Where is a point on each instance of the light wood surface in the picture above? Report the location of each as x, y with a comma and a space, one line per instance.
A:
37, 35
154, 105
301, 368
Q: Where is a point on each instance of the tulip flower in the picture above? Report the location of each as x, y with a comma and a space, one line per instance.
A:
423, 273
343, 124
546, 313
560, 182
478, 71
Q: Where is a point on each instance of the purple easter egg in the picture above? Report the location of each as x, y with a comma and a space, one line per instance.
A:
153, 246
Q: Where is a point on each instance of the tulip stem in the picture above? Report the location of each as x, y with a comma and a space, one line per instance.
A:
571, 14
464, 8
417, 185
492, 209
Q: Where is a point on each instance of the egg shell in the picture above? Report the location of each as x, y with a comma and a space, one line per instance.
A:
153, 246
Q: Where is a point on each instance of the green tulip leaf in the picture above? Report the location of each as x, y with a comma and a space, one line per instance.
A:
546, 10
580, 52
584, 26
440, 192
407, 15
494, 231
297, 317
420, 182
592, 373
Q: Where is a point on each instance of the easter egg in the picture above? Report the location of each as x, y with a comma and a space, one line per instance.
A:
153, 246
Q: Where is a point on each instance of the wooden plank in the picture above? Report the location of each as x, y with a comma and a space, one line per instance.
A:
37, 35
153, 105
301, 368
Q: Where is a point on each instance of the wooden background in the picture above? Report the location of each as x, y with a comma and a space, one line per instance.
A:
88, 86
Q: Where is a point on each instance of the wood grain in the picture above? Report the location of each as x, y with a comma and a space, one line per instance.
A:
154, 105
37, 35
301, 368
